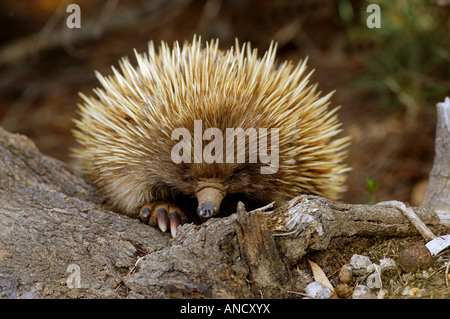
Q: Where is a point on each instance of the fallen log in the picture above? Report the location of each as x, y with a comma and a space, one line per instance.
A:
57, 239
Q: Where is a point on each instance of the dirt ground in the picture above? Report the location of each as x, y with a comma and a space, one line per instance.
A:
427, 283
39, 92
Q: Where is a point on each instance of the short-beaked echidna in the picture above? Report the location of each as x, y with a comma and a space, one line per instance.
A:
195, 128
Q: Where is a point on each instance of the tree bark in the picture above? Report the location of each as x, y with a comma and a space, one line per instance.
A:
57, 239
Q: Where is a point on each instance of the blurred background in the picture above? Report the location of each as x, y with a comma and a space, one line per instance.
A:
387, 79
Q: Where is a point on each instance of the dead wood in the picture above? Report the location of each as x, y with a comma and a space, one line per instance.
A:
57, 240
437, 196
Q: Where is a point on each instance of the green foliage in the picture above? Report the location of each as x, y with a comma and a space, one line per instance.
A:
371, 189
406, 61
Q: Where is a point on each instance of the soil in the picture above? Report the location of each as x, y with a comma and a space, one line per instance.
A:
430, 281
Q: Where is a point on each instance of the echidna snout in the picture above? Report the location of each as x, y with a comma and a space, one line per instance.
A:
209, 198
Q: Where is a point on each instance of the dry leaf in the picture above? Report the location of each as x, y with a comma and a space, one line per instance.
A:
320, 277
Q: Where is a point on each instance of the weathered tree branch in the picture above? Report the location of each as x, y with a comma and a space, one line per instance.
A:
438, 191
57, 240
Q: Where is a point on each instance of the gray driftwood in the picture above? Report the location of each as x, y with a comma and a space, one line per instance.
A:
58, 241
438, 191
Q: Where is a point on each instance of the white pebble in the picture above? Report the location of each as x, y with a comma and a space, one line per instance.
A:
315, 290
360, 263
363, 292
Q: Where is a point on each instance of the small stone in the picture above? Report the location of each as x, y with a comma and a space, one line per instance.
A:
345, 274
386, 263
388, 267
344, 291
414, 258
363, 292
315, 290
414, 291
360, 264
374, 280
8, 287
405, 291
381, 293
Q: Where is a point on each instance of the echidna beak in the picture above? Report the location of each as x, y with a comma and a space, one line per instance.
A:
209, 199
207, 209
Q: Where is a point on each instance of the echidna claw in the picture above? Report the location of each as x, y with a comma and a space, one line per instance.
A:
164, 215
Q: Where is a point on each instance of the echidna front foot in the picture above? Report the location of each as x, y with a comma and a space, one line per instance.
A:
165, 215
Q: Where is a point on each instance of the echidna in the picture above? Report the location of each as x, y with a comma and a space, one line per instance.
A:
158, 139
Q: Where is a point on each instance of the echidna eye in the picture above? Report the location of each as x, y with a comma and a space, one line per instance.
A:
234, 176
188, 178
